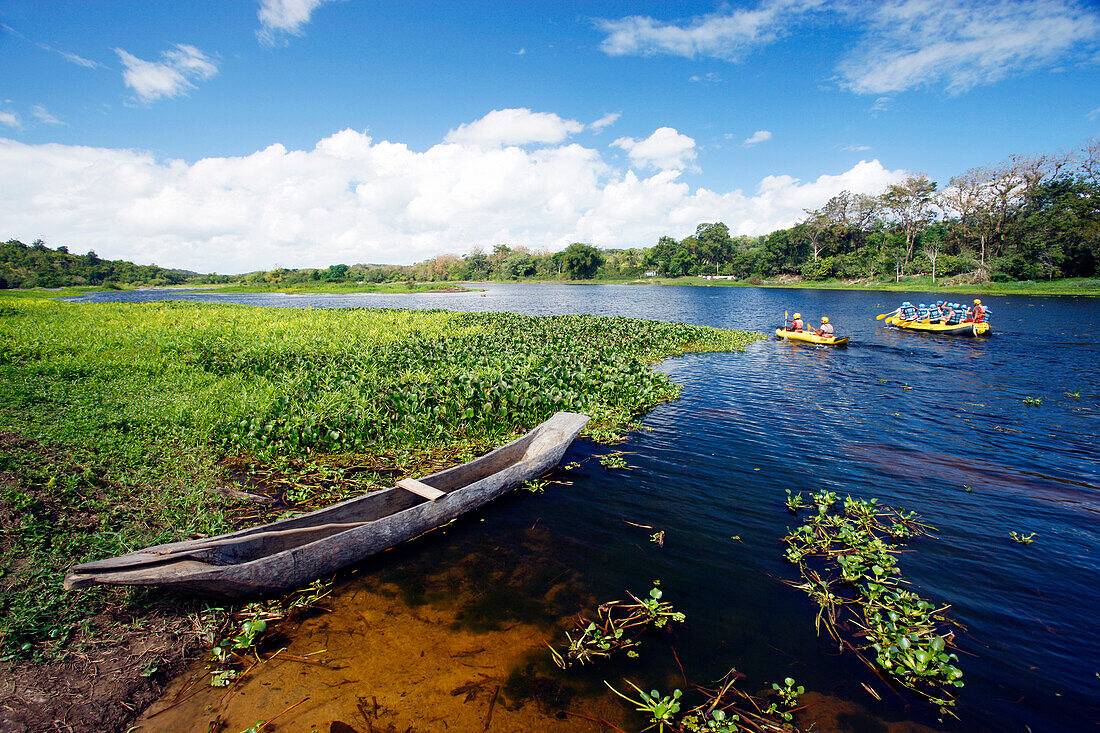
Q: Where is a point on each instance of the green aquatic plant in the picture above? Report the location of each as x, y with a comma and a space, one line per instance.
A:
795, 501
1023, 539
1035, 401
788, 693
613, 460
662, 709
535, 486
725, 709
253, 622
847, 559
618, 626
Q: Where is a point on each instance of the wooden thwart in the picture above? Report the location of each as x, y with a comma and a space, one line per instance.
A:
418, 487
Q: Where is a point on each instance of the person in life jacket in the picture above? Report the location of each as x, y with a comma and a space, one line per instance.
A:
826, 330
922, 312
908, 311
796, 323
948, 313
934, 312
977, 312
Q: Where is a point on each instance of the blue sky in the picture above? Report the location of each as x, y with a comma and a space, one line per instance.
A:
232, 136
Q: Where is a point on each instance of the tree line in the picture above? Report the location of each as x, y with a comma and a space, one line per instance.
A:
37, 266
1026, 218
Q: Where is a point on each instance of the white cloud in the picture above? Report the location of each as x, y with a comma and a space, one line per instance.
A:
43, 115
856, 148
1093, 115
74, 59
11, 119
514, 127
730, 35
171, 76
606, 121
521, 52
282, 18
757, 137
665, 149
882, 104
962, 44
353, 199
900, 44
708, 78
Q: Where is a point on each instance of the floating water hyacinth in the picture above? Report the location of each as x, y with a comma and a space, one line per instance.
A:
846, 558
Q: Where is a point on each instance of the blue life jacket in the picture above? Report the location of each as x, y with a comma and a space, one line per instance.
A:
955, 317
935, 313
908, 313
922, 313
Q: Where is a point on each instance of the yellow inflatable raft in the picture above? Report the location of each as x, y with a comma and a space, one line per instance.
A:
958, 329
811, 337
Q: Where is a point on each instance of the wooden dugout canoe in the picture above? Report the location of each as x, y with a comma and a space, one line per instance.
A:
958, 329
285, 555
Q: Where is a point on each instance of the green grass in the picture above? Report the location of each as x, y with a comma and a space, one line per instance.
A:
117, 420
331, 287
1065, 286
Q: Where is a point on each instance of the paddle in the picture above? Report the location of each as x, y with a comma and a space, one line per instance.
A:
894, 312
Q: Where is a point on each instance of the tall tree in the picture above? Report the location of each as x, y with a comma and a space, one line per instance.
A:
580, 261
911, 203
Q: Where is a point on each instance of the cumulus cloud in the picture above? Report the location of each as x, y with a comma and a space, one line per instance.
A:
11, 119
282, 18
514, 127
961, 44
665, 149
605, 121
354, 199
170, 77
757, 137
728, 35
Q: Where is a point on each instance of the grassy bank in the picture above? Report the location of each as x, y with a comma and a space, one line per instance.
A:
121, 421
337, 288
1066, 286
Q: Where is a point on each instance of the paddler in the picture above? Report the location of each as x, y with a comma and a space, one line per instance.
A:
908, 311
796, 323
976, 312
826, 330
934, 312
948, 313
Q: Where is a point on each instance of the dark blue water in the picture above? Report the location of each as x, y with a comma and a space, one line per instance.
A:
911, 419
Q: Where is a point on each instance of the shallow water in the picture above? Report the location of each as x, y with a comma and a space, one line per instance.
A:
914, 420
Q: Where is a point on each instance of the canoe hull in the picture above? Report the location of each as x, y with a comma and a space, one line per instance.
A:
285, 555
959, 329
810, 337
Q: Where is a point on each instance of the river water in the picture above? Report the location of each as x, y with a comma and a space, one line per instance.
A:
937, 425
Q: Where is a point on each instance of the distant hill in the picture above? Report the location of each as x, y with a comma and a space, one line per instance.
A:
36, 265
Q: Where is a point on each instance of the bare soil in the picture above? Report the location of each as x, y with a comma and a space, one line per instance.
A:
107, 676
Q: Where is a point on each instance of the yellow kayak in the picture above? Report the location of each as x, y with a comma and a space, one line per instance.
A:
957, 329
811, 337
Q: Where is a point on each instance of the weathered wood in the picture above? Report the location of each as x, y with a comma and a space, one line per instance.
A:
421, 489
290, 553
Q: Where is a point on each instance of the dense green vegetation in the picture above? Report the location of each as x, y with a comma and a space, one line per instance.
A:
38, 266
119, 420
